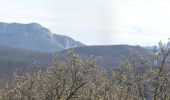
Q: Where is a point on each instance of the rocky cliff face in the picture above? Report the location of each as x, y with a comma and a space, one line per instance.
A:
33, 36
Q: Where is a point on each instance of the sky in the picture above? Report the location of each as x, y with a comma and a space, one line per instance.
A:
95, 22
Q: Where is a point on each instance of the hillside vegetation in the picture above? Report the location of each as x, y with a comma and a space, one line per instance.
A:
15, 60
78, 78
109, 55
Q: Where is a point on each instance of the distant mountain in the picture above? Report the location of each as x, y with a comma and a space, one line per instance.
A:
109, 55
35, 37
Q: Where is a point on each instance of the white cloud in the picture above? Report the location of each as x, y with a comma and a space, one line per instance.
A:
141, 21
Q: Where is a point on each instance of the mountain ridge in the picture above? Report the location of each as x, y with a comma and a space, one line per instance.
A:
35, 37
109, 54
14, 58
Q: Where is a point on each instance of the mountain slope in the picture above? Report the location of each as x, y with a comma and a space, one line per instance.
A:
110, 55
13, 59
34, 37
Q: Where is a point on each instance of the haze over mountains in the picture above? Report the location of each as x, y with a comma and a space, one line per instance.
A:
35, 37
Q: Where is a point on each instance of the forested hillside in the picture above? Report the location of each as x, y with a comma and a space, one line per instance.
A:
109, 55
78, 78
17, 60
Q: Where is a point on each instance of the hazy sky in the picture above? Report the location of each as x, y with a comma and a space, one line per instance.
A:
142, 22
